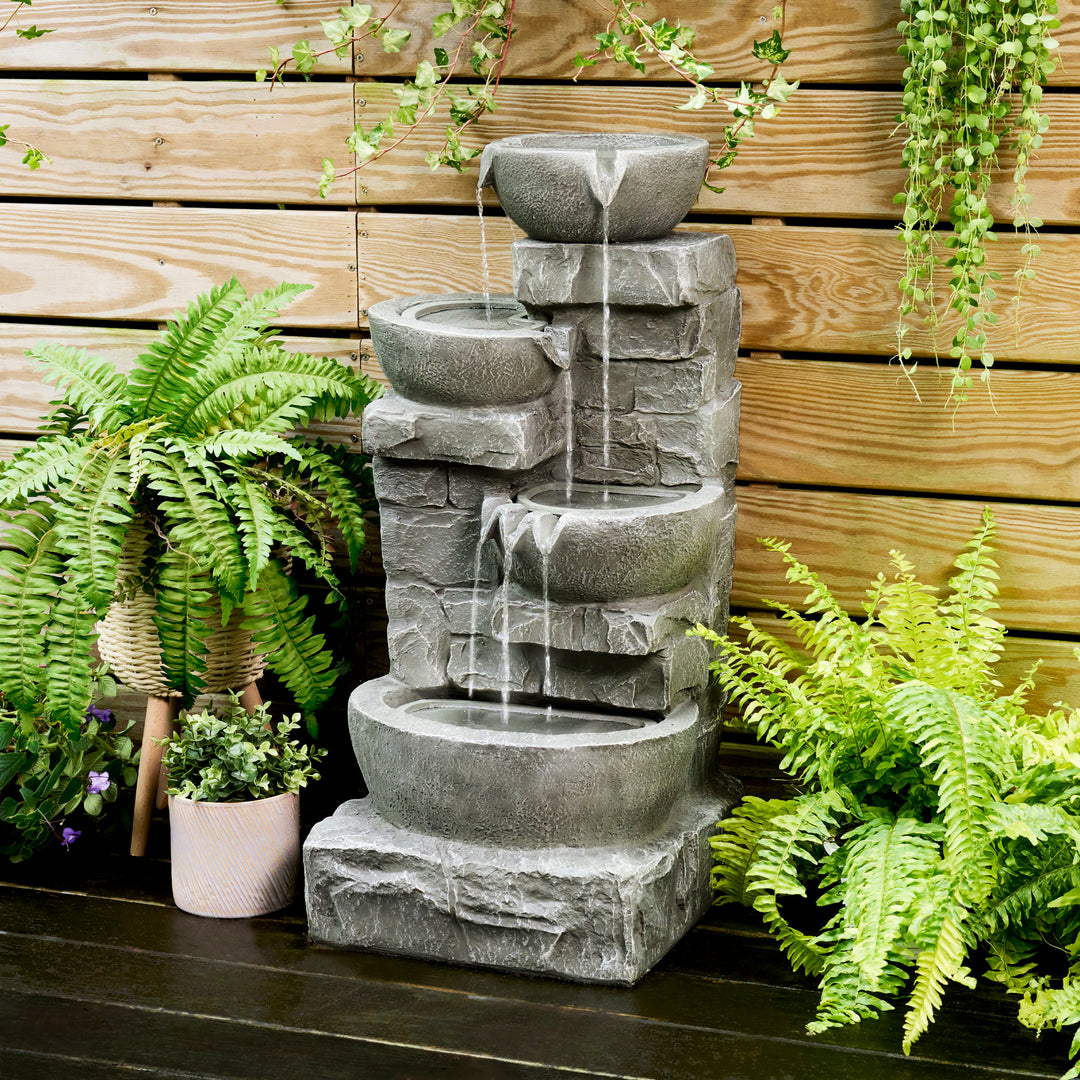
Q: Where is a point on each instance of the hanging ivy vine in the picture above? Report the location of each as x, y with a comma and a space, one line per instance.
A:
974, 77
484, 30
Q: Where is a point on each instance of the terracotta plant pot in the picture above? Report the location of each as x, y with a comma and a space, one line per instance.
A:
233, 860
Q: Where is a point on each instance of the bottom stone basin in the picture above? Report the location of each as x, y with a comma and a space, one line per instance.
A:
540, 719
452, 768
597, 543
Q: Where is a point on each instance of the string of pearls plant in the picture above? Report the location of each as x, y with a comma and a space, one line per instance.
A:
966, 62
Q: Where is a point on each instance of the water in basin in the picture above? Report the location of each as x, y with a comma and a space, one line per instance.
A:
598, 497
479, 314
535, 719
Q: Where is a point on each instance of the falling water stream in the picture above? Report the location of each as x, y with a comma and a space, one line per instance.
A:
488, 519
605, 344
485, 271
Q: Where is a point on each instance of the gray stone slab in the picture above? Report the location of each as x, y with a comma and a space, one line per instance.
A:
659, 386
600, 915
658, 333
410, 483
511, 437
654, 683
435, 546
660, 448
678, 270
469, 486
417, 633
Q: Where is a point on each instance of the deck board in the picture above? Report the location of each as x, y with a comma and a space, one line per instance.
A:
100, 976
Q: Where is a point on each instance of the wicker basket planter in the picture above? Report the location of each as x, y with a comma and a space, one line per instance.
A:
130, 644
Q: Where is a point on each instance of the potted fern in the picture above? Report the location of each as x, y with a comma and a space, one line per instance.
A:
234, 810
176, 486
936, 818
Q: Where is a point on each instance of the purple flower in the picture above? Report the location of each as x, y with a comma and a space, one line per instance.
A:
102, 716
99, 782
70, 836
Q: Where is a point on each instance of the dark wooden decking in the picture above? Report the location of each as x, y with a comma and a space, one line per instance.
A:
101, 978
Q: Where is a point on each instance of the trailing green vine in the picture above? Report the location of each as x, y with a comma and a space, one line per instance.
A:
33, 156
965, 61
484, 30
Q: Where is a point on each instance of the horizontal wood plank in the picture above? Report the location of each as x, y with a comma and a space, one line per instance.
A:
137, 35
844, 424
828, 153
846, 539
1058, 678
116, 263
675, 1024
25, 396
852, 41
202, 141
805, 288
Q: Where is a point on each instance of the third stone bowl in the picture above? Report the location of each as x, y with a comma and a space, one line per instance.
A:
573, 187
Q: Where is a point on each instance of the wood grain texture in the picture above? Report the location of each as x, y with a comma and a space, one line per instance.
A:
830, 40
856, 425
117, 263
202, 141
846, 539
805, 288
1058, 677
828, 153
25, 397
170, 35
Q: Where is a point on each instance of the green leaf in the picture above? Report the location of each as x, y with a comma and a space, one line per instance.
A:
275, 617
162, 375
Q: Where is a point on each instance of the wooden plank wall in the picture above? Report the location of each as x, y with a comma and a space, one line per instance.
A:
173, 168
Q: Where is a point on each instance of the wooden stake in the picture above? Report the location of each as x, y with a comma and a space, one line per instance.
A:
157, 725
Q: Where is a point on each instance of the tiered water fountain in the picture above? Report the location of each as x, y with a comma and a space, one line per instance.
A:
555, 479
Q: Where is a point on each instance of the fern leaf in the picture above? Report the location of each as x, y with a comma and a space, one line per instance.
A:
30, 569
973, 594
161, 376
241, 444
92, 516
185, 619
1055, 1007
340, 493
41, 469
275, 617
246, 326
735, 846
881, 877
270, 390
256, 523
965, 746
196, 520
784, 849
941, 962
90, 384
69, 684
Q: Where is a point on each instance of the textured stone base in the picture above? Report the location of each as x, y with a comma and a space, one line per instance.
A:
603, 914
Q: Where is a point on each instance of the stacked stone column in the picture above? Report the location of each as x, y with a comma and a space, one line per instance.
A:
668, 406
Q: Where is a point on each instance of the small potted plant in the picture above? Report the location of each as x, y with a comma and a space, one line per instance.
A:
234, 810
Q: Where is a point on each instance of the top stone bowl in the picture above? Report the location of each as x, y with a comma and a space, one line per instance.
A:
568, 187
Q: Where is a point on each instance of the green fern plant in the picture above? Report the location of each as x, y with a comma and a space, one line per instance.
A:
936, 819
183, 468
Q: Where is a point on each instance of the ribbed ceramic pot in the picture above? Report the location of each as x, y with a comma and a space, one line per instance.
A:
233, 860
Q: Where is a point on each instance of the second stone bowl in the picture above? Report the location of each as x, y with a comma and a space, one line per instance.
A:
465, 349
573, 188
